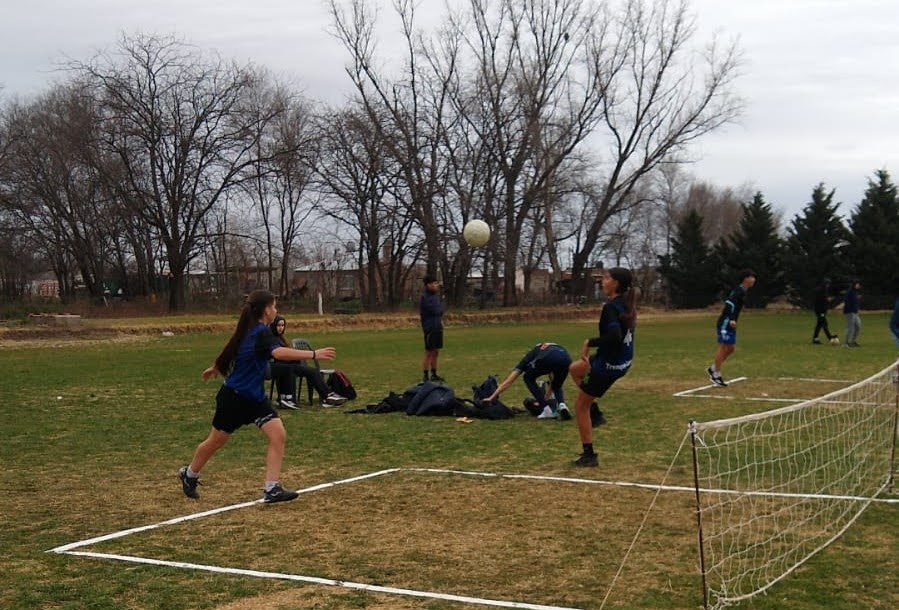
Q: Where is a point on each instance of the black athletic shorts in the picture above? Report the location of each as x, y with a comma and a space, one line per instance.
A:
596, 385
434, 340
233, 411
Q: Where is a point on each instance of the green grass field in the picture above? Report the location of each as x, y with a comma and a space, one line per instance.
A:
94, 431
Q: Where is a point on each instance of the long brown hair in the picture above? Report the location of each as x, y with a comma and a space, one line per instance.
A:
252, 311
626, 291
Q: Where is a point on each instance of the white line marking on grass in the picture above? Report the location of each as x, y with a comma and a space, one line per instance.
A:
651, 486
815, 379
322, 581
74, 545
689, 393
69, 548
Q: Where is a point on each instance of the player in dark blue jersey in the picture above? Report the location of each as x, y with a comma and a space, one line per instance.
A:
241, 400
595, 374
726, 325
552, 360
430, 310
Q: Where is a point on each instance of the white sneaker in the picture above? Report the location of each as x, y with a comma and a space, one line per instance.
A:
333, 400
564, 413
287, 402
547, 413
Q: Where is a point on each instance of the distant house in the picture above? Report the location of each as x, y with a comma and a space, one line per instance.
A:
44, 285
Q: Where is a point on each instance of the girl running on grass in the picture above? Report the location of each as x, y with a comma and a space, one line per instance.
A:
595, 374
241, 400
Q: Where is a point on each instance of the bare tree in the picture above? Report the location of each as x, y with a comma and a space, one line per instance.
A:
360, 179
409, 112
182, 128
542, 68
656, 102
58, 196
286, 150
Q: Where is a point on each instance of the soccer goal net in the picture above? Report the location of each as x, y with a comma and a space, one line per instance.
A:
774, 488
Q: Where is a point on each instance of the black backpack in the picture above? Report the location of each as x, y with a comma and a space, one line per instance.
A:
340, 384
487, 387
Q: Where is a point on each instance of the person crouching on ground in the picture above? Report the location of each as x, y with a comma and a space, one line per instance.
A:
543, 359
595, 374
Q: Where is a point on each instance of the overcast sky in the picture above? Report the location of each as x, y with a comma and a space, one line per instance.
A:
821, 77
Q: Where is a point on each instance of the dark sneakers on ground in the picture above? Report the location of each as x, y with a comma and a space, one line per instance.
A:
437, 379
596, 417
278, 494
189, 484
586, 460
716, 378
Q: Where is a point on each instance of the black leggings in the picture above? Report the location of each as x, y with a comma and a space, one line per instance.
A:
821, 324
285, 375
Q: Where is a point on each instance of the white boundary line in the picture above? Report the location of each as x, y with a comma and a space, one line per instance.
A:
689, 393
69, 549
322, 581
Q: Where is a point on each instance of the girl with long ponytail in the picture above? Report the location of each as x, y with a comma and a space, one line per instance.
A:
242, 399
595, 374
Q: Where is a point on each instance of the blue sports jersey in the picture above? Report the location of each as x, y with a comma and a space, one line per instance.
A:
733, 305
431, 312
247, 376
615, 344
543, 361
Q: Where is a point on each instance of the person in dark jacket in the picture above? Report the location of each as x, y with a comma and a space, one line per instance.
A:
595, 374
822, 303
726, 326
431, 311
286, 374
851, 304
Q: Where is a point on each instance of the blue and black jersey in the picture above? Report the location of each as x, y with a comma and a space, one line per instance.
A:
247, 376
544, 361
615, 343
431, 311
733, 305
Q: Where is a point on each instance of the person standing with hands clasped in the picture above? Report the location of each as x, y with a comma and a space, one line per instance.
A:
242, 400
431, 311
726, 326
595, 374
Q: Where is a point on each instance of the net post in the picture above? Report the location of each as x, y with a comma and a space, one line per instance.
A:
895, 380
693, 438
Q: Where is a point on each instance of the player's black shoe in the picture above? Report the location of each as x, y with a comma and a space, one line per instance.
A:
587, 460
189, 484
279, 494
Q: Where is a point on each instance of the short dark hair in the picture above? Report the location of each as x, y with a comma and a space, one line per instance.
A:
745, 273
430, 278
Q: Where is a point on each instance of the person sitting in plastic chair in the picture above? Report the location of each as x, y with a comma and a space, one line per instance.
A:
285, 375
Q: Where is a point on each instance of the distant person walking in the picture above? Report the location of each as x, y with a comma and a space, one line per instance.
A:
726, 326
822, 303
595, 374
430, 310
851, 304
242, 400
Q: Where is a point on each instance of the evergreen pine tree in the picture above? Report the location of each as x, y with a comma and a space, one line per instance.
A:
814, 247
689, 272
874, 242
754, 245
